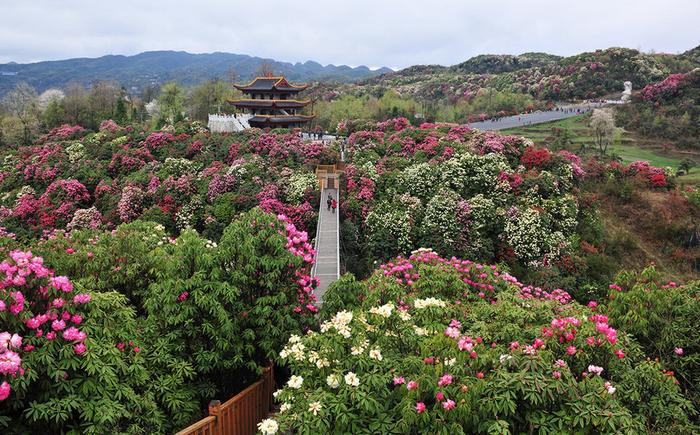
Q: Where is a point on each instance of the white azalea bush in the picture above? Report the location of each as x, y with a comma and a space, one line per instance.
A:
300, 184
473, 194
451, 346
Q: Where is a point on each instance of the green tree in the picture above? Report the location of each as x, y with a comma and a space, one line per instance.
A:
21, 103
172, 102
208, 97
120, 113
54, 114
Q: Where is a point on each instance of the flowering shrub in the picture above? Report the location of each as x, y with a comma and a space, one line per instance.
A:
172, 177
157, 140
65, 131
131, 203
536, 158
169, 283
664, 88
85, 218
60, 200
71, 376
128, 159
461, 192
431, 353
109, 126
666, 326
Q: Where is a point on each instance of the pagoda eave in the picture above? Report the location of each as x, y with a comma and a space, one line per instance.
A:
279, 119
279, 84
281, 104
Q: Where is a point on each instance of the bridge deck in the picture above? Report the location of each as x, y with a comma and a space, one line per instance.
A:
327, 267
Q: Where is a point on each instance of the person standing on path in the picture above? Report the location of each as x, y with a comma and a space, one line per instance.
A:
329, 201
334, 205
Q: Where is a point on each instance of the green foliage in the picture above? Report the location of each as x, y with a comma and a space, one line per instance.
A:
354, 372
663, 318
104, 391
172, 100
173, 324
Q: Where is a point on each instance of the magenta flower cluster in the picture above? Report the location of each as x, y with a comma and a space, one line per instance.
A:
298, 244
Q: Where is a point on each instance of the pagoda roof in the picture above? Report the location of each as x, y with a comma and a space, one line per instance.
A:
279, 119
283, 104
278, 83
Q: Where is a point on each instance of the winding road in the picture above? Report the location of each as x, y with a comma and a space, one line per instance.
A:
535, 117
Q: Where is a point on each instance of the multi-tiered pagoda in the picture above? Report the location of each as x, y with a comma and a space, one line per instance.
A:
272, 103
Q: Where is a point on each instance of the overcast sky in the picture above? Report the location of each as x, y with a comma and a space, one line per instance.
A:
354, 32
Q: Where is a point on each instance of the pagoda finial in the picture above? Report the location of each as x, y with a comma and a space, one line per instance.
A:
266, 70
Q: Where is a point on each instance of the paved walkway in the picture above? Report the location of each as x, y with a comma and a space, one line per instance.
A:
535, 118
327, 267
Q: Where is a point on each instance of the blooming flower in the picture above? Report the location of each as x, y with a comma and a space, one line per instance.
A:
295, 382
352, 379
375, 354
420, 407
609, 388
678, 350
595, 369
452, 332
412, 385
314, 407
82, 298
384, 310
285, 407
4, 391
571, 350
556, 374
399, 380
268, 426
445, 380
9, 362
333, 381
448, 404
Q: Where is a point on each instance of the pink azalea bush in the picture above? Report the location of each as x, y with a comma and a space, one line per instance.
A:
188, 177
664, 88
42, 310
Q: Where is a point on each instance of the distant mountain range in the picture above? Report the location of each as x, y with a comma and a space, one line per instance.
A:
157, 67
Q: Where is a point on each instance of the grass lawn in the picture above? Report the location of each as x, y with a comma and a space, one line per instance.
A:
629, 147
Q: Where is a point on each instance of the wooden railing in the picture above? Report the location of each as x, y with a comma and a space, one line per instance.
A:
239, 415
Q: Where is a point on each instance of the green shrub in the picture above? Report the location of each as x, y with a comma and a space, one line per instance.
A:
466, 349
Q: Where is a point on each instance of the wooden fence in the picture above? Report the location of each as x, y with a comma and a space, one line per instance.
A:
239, 415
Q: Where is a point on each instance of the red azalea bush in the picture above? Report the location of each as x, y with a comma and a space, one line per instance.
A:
128, 159
537, 158
60, 200
41, 163
642, 170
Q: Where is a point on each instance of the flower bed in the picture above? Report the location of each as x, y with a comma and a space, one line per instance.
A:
180, 177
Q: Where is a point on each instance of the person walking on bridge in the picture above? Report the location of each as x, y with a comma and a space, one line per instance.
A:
334, 205
329, 201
